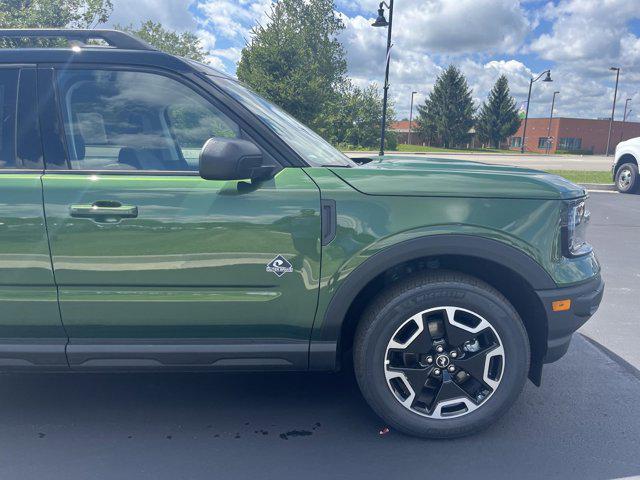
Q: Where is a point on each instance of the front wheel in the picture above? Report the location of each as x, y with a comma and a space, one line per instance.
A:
627, 178
441, 355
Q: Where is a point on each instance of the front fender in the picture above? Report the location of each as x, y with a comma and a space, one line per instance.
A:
434, 245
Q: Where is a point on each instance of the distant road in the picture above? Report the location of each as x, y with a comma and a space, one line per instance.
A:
543, 162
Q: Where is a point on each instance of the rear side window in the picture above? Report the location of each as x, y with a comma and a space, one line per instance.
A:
126, 120
8, 107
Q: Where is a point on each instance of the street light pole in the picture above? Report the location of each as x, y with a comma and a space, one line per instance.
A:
624, 117
548, 145
382, 22
613, 108
526, 114
410, 117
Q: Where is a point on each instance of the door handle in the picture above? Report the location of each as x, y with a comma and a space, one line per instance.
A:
103, 209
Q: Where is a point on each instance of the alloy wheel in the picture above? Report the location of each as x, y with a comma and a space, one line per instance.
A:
624, 179
444, 362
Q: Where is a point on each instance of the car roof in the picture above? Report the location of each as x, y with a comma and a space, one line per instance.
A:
96, 55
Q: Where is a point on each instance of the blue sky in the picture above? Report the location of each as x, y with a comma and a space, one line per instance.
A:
577, 39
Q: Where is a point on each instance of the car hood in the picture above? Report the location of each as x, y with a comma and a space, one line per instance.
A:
631, 143
423, 176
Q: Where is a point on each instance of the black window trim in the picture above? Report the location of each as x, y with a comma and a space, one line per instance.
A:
15, 169
188, 80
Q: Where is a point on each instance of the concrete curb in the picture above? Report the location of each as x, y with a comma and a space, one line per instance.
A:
599, 186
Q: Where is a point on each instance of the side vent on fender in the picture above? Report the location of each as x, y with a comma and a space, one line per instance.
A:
329, 221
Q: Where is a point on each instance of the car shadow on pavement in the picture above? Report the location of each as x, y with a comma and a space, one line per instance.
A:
583, 422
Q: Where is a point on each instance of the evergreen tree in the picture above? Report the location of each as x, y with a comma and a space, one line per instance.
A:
447, 114
498, 117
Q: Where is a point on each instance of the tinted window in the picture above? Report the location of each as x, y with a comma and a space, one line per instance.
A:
8, 93
542, 142
569, 143
122, 120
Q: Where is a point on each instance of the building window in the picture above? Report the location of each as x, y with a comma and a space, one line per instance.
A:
569, 143
542, 142
516, 142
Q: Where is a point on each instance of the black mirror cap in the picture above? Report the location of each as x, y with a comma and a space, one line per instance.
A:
230, 159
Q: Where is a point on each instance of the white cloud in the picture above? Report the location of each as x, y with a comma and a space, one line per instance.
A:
207, 39
233, 19
173, 14
589, 32
457, 26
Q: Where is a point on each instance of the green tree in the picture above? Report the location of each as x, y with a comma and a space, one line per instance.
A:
355, 120
447, 114
498, 117
185, 44
54, 13
296, 61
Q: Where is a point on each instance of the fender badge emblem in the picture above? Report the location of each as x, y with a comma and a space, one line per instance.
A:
279, 266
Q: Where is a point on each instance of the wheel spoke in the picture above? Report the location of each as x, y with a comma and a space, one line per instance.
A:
459, 333
449, 390
416, 377
418, 343
477, 365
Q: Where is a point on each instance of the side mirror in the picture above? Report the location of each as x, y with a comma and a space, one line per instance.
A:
230, 159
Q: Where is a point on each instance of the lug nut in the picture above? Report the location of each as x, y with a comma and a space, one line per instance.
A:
436, 371
453, 354
452, 368
439, 349
429, 359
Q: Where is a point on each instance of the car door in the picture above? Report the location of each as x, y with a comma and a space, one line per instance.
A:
31, 333
157, 267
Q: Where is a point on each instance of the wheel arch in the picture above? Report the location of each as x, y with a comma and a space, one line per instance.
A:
504, 267
626, 157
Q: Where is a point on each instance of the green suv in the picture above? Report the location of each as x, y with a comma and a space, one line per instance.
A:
155, 214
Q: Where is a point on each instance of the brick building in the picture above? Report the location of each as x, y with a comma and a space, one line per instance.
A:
401, 130
573, 134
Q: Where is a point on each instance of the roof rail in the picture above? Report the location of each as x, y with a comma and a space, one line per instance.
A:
113, 38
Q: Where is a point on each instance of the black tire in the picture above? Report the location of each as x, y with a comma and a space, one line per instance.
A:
627, 180
391, 309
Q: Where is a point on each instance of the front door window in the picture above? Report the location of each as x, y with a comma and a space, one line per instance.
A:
128, 120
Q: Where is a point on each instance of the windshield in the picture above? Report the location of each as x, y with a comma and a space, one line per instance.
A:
305, 142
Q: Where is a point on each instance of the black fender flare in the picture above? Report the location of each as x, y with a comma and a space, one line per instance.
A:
327, 337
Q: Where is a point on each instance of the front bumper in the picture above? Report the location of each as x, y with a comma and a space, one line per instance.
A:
585, 300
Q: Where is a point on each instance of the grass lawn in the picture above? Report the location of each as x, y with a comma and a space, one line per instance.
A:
587, 176
418, 148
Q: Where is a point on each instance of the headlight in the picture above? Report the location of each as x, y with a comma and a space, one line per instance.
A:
574, 229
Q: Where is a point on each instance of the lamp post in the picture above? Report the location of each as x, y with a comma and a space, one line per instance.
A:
526, 114
553, 102
381, 21
624, 117
410, 117
613, 108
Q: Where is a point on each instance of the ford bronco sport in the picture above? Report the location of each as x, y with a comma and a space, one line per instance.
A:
155, 214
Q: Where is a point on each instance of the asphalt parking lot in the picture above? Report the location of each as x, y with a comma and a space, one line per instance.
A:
615, 234
583, 422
